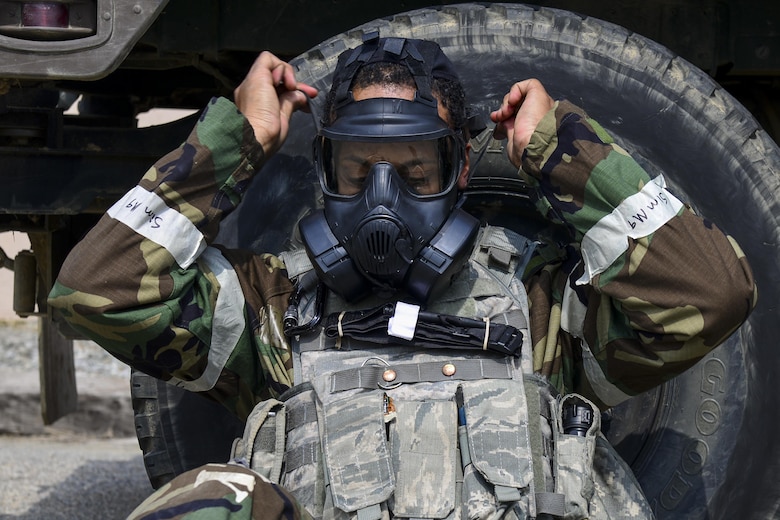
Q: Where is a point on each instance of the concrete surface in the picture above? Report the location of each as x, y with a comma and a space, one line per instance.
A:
70, 477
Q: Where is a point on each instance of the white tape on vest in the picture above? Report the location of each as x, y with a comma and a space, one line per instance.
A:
404, 321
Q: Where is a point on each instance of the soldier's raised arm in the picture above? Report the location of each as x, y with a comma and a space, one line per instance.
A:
145, 283
657, 287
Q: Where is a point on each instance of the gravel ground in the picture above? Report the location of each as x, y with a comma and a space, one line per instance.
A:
70, 478
85, 466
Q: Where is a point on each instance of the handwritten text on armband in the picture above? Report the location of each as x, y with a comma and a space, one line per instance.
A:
642, 214
154, 219
637, 216
149, 215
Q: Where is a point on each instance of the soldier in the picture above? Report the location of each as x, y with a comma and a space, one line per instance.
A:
459, 369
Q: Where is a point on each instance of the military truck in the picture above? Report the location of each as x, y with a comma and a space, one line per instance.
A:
690, 87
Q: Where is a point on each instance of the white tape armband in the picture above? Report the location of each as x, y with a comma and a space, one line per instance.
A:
637, 216
404, 321
227, 325
148, 215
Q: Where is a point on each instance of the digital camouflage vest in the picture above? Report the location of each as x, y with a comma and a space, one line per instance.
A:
377, 431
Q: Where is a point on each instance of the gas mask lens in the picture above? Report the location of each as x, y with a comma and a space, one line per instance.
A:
427, 167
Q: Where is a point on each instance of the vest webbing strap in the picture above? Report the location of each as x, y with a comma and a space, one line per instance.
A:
505, 253
266, 436
370, 513
547, 502
306, 454
297, 262
534, 404
300, 415
390, 376
507, 494
551, 504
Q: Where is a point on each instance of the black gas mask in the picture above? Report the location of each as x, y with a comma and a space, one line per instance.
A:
389, 173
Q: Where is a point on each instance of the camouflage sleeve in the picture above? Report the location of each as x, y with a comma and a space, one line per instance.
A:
145, 284
657, 287
223, 492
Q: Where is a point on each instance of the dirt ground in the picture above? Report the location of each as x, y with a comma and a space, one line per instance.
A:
86, 465
70, 476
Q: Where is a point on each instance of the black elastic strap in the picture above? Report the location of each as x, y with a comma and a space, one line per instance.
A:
431, 331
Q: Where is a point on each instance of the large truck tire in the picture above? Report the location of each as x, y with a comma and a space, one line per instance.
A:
703, 445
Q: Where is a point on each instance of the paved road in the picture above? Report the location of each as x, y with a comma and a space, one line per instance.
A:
70, 477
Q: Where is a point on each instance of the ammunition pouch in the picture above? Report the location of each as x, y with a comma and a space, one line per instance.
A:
490, 448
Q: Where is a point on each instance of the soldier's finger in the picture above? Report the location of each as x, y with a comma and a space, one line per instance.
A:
504, 115
510, 104
264, 63
504, 111
308, 90
283, 76
289, 102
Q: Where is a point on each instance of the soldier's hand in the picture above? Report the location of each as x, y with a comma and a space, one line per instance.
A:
519, 114
268, 96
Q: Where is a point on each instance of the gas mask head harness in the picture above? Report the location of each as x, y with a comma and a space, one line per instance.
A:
389, 172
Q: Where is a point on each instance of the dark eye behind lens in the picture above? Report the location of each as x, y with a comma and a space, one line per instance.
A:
329, 165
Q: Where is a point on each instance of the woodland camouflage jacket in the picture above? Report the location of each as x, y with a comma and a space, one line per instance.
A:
645, 289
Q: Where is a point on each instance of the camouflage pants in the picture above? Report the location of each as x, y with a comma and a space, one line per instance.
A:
220, 491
